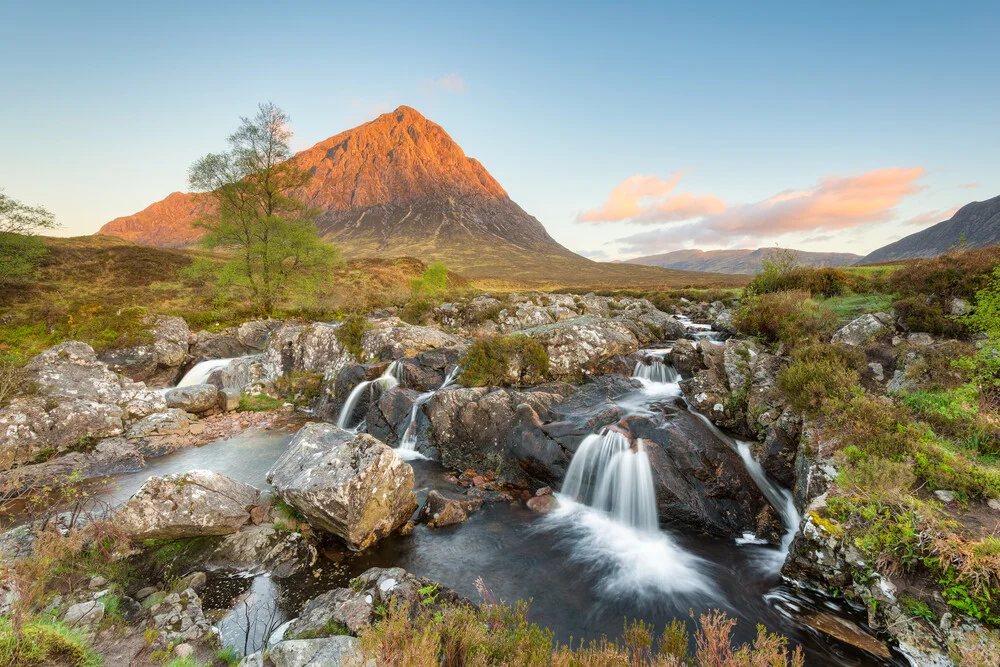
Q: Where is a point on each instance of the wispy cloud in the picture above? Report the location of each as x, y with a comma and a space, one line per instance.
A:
969, 186
594, 254
834, 203
451, 82
651, 200
930, 217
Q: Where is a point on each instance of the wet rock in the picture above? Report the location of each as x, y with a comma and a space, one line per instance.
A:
195, 581
346, 484
724, 321
440, 510
194, 504
109, 456
685, 357
700, 481
543, 504
864, 329
265, 548
846, 631
196, 398
310, 348
389, 416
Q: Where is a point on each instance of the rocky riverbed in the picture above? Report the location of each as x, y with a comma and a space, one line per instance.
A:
436, 482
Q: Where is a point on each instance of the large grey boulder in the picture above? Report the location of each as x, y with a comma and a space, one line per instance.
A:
310, 348
864, 330
391, 338
350, 485
195, 398
194, 504
578, 347
336, 651
157, 363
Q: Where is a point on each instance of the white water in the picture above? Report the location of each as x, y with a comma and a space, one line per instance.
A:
659, 381
201, 370
408, 444
390, 378
779, 497
607, 473
656, 371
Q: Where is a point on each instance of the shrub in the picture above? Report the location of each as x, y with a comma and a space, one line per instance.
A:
433, 281
299, 387
11, 380
918, 314
416, 311
955, 274
45, 642
877, 428
504, 360
349, 334
20, 256
818, 373
783, 317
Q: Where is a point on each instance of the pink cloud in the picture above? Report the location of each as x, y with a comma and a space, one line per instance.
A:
931, 217
649, 200
969, 186
452, 82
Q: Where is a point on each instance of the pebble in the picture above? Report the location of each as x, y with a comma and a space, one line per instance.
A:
544, 491
945, 496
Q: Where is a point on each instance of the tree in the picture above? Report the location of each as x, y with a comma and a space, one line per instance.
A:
20, 250
432, 282
275, 248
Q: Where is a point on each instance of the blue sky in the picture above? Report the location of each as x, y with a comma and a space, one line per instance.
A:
626, 129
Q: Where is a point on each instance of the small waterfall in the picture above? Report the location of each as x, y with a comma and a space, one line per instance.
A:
408, 443
780, 498
654, 370
390, 378
607, 473
201, 370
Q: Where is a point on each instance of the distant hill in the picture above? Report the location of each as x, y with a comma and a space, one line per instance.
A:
977, 224
741, 260
400, 186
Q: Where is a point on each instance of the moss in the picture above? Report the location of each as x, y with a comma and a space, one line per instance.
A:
493, 361
349, 334
259, 403
826, 524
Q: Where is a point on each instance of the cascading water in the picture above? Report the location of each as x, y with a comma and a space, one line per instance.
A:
608, 474
201, 370
654, 370
390, 378
408, 443
780, 498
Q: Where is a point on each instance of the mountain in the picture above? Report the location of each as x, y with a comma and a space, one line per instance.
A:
741, 260
978, 224
398, 185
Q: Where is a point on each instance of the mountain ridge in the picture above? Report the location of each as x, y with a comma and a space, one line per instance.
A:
977, 224
740, 261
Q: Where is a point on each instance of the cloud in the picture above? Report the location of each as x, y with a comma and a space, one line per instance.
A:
834, 203
650, 200
594, 254
969, 186
931, 217
451, 82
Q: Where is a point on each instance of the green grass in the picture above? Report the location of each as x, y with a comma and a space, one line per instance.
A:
44, 641
259, 403
852, 306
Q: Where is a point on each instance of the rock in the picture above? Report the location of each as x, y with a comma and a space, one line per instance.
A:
349, 485
253, 335
864, 329
229, 400
183, 651
685, 357
543, 504
172, 422
847, 632
129, 609
84, 614
264, 548
945, 496
195, 581
993, 503
877, 371
179, 616
337, 651
76, 398
439, 510
920, 339
109, 456
309, 348
194, 504
577, 347
144, 593
196, 398
97, 583
724, 321
544, 491
958, 307
391, 338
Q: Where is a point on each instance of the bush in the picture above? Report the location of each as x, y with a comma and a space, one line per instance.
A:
956, 274
433, 281
818, 373
918, 314
783, 317
20, 256
504, 360
877, 428
416, 311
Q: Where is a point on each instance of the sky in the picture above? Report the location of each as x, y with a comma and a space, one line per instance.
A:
626, 128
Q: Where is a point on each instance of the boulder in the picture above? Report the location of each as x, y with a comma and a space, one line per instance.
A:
391, 338
864, 330
685, 357
440, 510
195, 398
577, 347
180, 617
266, 548
346, 484
87, 613
159, 362
336, 651
310, 348
193, 504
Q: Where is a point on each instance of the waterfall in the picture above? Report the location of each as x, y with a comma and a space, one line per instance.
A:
607, 473
201, 370
390, 378
780, 498
654, 370
408, 443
